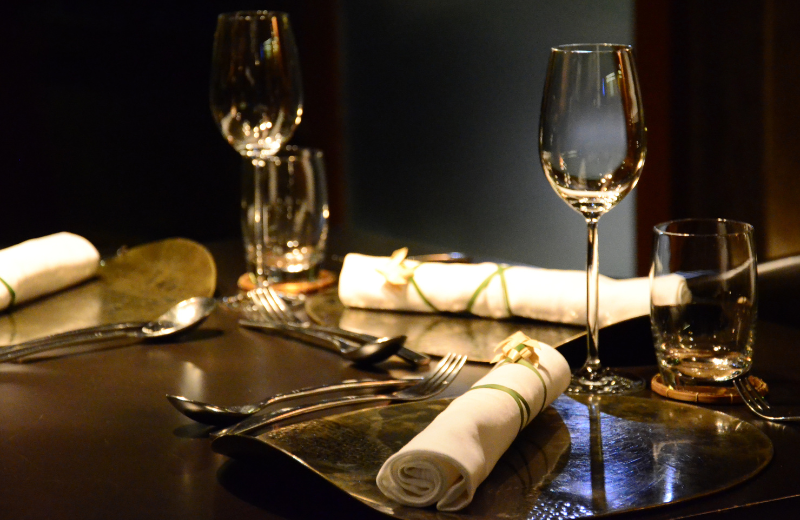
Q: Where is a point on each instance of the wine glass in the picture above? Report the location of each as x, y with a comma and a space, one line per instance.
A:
592, 149
256, 99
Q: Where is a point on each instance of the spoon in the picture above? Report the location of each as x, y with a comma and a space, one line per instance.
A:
182, 316
216, 415
358, 352
414, 358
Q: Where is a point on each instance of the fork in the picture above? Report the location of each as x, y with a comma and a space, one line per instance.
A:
269, 306
757, 404
445, 372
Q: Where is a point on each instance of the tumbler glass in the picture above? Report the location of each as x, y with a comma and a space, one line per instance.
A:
285, 215
703, 300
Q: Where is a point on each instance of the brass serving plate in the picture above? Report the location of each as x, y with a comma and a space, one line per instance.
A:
137, 284
435, 334
578, 458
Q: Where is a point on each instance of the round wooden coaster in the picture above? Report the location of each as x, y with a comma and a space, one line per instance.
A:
325, 279
705, 394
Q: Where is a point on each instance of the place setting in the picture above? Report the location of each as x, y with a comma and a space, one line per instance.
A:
480, 391
586, 445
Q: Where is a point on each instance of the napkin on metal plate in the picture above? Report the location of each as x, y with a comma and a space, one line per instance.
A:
493, 290
446, 462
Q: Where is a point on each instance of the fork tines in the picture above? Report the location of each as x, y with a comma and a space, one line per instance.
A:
756, 402
271, 306
449, 364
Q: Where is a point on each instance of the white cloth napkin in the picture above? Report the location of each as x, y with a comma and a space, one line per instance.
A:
494, 291
45, 265
446, 462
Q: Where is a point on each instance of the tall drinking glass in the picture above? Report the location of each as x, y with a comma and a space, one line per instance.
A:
592, 148
256, 93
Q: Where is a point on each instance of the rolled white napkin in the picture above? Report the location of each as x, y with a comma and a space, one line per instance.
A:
446, 462
45, 265
493, 290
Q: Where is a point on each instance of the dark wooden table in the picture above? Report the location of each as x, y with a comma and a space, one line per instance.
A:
91, 435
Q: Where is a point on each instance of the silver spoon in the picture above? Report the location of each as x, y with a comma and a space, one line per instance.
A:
182, 316
217, 415
412, 357
349, 348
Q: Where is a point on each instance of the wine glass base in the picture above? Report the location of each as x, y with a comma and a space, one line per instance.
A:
604, 381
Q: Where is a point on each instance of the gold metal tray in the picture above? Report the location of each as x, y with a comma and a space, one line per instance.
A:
577, 458
137, 284
435, 334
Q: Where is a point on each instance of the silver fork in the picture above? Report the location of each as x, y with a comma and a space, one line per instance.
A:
445, 372
269, 306
757, 404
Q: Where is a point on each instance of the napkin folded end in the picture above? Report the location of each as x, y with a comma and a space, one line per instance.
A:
45, 265
418, 478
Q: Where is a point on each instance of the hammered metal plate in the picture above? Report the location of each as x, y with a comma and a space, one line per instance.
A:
608, 455
435, 334
137, 284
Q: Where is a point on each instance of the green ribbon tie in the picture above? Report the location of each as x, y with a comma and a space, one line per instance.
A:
501, 273
422, 296
524, 409
10, 291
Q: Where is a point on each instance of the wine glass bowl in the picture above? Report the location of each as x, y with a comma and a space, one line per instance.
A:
256, 88
592, 134
256, 99
592, 149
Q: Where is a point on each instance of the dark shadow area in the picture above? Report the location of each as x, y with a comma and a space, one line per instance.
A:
189, 336
194, 431
108, 131
779, 292
269, 479
625, 344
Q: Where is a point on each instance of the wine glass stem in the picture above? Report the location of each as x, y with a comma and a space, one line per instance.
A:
258, 216
592, 365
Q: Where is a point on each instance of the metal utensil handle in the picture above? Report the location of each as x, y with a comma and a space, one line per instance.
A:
357, 336
371, 384
412, 356
77, 333
337, 344
67, 339
258, 421
415, 358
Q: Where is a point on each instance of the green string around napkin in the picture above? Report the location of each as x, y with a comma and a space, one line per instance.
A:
491, 290
399, 274
11, 292
521, 350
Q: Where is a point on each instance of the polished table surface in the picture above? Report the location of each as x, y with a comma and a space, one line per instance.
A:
90, 435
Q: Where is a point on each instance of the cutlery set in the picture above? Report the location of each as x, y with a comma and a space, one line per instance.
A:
445, 372
246, 418
265, 310
179, 318
271, 313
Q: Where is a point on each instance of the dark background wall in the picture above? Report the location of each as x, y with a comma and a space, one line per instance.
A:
106, 129
442, 113
426, 110
106, 123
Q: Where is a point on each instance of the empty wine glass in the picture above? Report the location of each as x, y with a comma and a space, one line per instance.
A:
256, 99
592, 148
